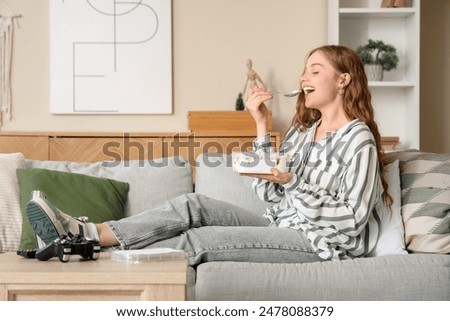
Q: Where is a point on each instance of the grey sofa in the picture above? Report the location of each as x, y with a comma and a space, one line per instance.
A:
403, 276
388, 277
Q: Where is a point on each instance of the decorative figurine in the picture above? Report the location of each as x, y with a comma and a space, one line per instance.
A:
253, 80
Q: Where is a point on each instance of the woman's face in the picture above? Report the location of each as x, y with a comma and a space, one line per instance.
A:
319, 82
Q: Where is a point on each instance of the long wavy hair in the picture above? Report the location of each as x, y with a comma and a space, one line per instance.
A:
357, 98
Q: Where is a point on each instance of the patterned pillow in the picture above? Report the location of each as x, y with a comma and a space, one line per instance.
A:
425, 183
401, 155
10, 215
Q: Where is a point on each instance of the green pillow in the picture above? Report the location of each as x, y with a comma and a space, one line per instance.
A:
100, 199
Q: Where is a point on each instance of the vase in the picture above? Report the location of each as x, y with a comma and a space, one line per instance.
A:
374, 72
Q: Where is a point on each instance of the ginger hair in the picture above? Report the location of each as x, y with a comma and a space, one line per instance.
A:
357, 98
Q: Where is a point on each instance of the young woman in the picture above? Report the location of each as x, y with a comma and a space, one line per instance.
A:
327, 206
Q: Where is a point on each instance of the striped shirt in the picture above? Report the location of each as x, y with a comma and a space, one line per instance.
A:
335, 196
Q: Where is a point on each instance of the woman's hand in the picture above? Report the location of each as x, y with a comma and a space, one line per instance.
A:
255, 105
276, 176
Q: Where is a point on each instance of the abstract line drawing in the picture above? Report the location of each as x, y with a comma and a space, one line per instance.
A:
111, 56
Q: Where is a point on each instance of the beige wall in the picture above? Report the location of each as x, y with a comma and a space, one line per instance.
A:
212, 40
435, 76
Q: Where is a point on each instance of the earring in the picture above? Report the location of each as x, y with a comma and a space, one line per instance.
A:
341, 92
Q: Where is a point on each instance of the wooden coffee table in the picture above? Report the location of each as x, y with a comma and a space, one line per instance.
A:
78, 279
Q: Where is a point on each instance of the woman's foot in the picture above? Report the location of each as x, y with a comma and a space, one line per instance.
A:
49, 223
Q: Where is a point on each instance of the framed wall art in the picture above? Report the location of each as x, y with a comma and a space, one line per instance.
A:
110, 57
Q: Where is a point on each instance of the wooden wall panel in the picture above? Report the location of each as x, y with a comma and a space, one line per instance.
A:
85, 149
32, 147
226, 121
110, 147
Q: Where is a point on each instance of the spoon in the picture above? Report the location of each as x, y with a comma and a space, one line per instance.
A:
292, 93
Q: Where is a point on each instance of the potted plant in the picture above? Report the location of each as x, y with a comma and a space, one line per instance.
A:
377, 57
240, 102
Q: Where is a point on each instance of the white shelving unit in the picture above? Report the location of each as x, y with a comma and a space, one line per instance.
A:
396, 98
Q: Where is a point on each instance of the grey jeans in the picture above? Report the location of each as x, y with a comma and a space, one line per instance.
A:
212, 230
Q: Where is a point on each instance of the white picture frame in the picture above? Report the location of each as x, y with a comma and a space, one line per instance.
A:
111, 57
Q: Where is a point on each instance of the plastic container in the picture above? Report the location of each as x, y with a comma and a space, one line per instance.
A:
146, 255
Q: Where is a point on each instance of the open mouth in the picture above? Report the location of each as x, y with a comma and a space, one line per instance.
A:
308, 89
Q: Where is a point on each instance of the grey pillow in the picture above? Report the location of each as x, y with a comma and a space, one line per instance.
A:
91, 169
152, 182
215, 178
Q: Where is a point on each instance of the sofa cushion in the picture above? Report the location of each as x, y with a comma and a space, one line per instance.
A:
10, 215
392, 233
425, 180
152, 182
389, 278
215, 178
91, 169
100, 199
